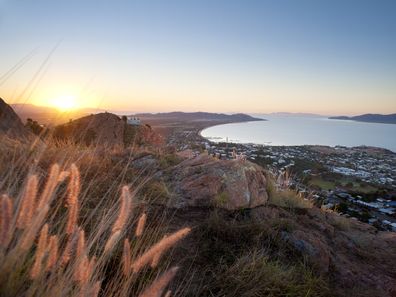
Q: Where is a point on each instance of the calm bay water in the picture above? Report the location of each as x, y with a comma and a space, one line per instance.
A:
287, 130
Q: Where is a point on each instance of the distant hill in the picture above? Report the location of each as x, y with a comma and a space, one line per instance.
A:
30, 108
199, 116
370, 118
10, 124
47, 115
26, 108
296, 114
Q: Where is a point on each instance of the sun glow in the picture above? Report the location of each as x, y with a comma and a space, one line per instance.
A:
64, 103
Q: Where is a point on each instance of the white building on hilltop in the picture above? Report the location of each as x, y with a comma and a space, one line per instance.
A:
135, 121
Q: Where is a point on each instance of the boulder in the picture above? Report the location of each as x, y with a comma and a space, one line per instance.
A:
229, 184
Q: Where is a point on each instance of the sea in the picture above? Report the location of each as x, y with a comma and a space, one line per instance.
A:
286, 130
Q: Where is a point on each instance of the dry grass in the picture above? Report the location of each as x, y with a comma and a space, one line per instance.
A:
280, 194
60, 232
254, 274
238, 255
340, 222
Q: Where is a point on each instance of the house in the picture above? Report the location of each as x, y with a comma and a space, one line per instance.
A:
391, 203
135, 121
372, 221
389, 211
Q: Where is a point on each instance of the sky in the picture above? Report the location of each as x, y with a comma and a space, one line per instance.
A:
328, 57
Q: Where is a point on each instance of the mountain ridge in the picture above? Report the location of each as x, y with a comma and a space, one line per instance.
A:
200, 115
370, 118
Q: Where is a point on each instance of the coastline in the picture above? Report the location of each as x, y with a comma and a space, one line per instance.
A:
199, 132
270, 144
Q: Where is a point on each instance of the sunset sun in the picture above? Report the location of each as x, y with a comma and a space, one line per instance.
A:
64, 103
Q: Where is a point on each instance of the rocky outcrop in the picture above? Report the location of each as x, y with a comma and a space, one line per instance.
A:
355, 254
228, 184
10, 124
105, 129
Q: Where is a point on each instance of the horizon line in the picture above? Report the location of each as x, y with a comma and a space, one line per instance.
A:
126, 111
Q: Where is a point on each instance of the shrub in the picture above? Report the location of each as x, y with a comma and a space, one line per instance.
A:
282, 195
130, 133
156, 191
169, 160
289, 199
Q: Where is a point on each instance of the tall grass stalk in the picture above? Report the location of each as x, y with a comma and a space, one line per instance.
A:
58, 244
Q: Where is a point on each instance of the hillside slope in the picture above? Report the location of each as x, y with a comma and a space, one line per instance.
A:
10, 124
252, 240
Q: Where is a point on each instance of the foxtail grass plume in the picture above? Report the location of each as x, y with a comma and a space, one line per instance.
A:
50, 186
112, 241
28, 201
80, 244
62, 176
82, 259
90, 269
5, 220
126, 203
70, 244
155, 260
159, 248
86, 269
40, 251
158, 286
72, 218
72, 199
74, 186
140, 225
53, 252
126, 257
125, 209
96, 289
81, 269
31, 231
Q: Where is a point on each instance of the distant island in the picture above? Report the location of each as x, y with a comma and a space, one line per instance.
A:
370, 118
296, 114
